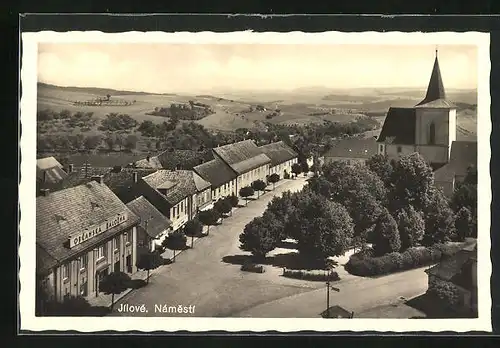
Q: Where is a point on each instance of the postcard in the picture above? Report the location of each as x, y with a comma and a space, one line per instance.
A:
255, 182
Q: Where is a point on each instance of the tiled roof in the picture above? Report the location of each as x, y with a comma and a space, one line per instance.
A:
152, 221
354, 147
62, 213
435, 89
176, 159
463, 155
216, 172
452, 268
49, 170
437, 104
242, 156
278, 152
122, 182
77, 177
186, 182
399, 127
44, 261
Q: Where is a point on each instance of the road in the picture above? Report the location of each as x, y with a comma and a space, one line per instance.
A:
209, 280
201, 278
356, 294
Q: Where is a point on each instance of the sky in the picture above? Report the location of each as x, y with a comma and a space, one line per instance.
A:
174, 68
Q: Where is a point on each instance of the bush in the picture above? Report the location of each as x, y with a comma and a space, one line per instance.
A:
252, 267
364, 264
310, 275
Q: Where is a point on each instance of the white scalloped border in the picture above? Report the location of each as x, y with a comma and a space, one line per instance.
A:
85, 324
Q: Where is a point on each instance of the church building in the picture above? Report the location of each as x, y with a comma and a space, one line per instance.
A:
429, 128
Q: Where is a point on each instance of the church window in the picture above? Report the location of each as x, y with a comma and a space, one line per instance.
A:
432, 133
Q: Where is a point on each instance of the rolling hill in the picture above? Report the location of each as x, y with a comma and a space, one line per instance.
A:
251, 109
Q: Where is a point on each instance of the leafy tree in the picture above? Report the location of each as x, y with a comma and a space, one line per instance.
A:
296, 169
346, 181
411, 226
120, 141
304, 167
273, 179
463, 224
365, 210
92, 142
382, 166
148, 261
131, 142
259, 185
110, 141
63, 114
320, 185
233, 199
386, 234
284, 206
77, 141
259, 236
193, 228
223, 206
439, 220
246, 192
175, 241
413, 183
321, 228
114, 283
209, 218
149, 144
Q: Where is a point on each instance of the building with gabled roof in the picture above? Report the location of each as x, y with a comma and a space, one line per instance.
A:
458, 275
49, 171
429, 128
351, 150
82, 234
221, 177
246, 159
154, 226
177, 194
282, 158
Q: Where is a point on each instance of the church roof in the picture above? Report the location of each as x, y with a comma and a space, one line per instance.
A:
399, 127
436, 95
463, 155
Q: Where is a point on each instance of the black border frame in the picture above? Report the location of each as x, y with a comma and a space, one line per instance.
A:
284, 23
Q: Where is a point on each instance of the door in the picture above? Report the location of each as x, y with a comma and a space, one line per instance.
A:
117, 266
129, 264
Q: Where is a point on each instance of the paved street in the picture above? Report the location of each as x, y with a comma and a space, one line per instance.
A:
356, 294
201, 278
204, 278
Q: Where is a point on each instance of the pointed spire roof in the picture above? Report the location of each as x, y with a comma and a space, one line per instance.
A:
435, 89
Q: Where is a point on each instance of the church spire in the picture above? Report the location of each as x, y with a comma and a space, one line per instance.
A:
435, 90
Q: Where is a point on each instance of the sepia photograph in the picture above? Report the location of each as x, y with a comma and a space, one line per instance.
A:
256, 178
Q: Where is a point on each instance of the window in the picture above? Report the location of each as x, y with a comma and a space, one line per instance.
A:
102, 252
65, 271
84, 260
399, 149
175, 211
432, 134
182, 206
381, 148
117, 243
128, 237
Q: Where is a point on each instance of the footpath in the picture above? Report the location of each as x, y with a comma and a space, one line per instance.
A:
104, 300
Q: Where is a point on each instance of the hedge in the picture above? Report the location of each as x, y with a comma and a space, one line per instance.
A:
364, 264
310, 275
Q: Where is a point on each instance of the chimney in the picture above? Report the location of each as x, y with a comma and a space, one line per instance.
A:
45, 192
98, 178
44, 173
134, 177
147, 158
70, 168
201, 160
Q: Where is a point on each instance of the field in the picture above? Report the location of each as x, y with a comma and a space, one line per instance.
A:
246, 109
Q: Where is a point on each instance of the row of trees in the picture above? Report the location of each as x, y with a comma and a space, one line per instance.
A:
118, 122
393, 205
77, 142
191, 111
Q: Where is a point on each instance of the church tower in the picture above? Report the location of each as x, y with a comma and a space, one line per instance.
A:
435, 121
